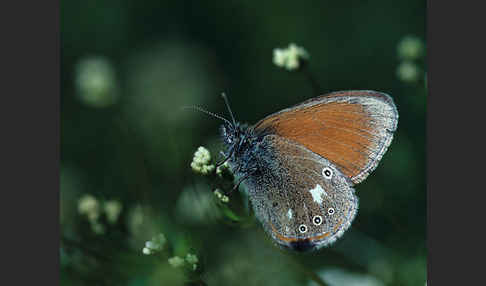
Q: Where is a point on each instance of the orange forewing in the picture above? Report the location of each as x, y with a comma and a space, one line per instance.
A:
352, 129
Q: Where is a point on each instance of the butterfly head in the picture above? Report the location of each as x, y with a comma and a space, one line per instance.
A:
230, 133
234, 134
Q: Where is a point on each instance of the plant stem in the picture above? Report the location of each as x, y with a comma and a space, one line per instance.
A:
312, 80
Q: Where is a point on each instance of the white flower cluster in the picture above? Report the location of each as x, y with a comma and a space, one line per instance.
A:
290, 57
90, 207
154, 245
201, 163
176, 261
96, 82
222, 197
191, 260
222, 169
408, 71
112, 211
409, 49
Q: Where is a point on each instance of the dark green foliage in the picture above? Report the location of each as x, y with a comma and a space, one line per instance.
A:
136, 146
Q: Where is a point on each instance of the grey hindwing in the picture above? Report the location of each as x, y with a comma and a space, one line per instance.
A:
290, 188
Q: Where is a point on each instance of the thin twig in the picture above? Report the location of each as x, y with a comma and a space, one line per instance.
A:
312, 80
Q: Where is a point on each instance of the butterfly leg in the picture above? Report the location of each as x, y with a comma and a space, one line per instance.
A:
225, 159
237, 185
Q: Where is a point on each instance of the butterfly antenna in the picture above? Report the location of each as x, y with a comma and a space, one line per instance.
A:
197, 108
228, 106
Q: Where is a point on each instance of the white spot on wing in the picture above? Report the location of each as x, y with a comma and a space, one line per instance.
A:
317, 193
289, 214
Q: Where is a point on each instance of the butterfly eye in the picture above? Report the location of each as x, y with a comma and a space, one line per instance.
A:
330, 211
327, 172
303, 228
317, 220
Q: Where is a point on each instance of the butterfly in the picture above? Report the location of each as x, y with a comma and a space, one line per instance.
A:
299, 165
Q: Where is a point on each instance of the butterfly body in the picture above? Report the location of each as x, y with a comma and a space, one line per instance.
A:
299, 165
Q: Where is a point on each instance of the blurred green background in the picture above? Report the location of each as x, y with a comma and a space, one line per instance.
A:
126, 146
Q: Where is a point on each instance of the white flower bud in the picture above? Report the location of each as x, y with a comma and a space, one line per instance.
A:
290, 57
176, 261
